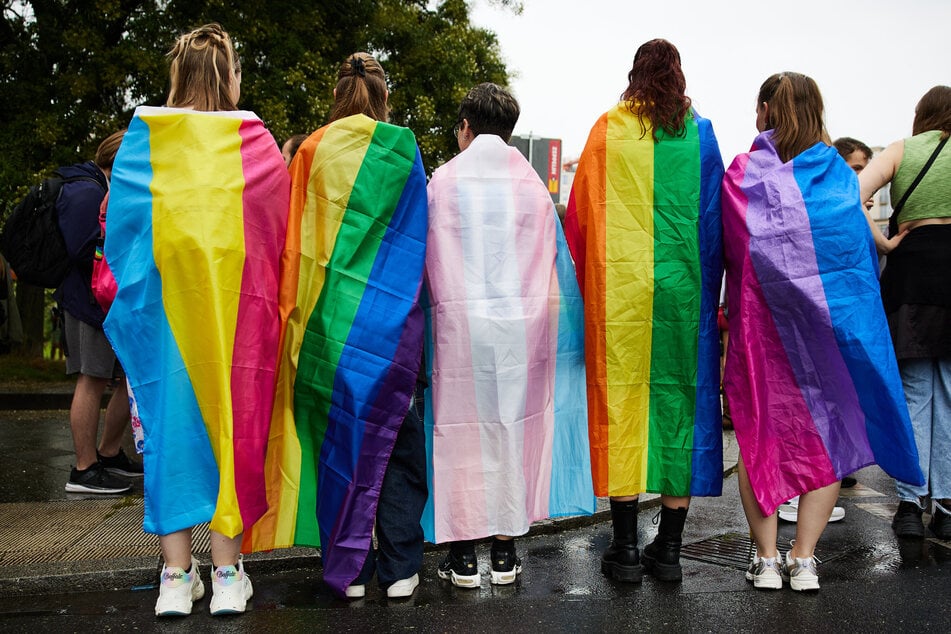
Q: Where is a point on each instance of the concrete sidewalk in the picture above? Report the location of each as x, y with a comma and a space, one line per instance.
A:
49, 537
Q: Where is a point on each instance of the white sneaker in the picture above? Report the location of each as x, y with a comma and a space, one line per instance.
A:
765, 573
178, 590
356, 591
230, 589
403, 588
789, 512
801, 573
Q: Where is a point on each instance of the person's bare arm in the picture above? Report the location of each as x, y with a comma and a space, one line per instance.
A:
880, 171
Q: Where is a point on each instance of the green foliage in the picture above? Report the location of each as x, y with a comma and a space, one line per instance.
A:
72, 71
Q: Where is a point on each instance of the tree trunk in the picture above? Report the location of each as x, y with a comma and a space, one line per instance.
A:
31, 301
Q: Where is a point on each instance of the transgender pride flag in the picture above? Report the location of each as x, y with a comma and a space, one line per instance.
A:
196, 223
811, 375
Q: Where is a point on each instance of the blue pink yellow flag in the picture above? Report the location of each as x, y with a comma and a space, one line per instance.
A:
196, 226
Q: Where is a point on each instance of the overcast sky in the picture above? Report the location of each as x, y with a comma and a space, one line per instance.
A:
872, 59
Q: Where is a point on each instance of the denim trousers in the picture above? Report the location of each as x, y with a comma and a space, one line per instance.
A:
399, 534
927, 384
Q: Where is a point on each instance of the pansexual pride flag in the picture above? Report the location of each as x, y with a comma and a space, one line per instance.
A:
196, 225
811, 375
506, 428
352, 335
643, 224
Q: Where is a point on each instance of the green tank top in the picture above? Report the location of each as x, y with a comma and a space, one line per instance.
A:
932, 197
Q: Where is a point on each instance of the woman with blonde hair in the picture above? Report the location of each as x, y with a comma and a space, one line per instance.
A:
812, 383
196, 228
916, 290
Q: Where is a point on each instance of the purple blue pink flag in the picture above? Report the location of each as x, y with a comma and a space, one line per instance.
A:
196, 226
811, 375
506, 421
351, 338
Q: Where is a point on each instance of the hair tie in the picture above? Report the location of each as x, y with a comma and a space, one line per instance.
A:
358, 66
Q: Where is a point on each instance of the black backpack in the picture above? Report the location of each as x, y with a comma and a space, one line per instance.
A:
32, 241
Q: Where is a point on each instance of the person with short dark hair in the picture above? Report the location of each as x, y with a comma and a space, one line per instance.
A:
643, 224
504, 306
289, 149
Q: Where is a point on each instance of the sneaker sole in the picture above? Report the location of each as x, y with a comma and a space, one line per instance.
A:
234, 607
122, 472
82, 488
461, 581
804, 585
505, 578
619, 572
765, 584
198, 592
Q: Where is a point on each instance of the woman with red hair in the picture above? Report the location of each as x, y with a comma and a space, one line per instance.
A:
643, 225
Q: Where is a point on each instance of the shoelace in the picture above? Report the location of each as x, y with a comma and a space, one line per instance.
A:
792, 542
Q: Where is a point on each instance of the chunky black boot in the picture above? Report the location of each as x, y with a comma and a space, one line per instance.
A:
662, 556
621, 561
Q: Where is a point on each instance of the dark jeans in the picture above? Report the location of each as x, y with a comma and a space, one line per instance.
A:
402, 498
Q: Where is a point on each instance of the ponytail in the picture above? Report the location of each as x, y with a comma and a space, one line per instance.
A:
361, 89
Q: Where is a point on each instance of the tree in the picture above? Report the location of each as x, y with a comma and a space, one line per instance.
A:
72, 71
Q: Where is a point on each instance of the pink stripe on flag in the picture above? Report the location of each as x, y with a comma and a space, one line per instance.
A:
457, 461
258, 323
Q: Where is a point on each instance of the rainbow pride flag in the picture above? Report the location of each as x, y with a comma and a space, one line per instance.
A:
643, 225
196, 225
352, 336
811, 375
505, 412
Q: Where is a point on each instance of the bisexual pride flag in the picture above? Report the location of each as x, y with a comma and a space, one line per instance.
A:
506, 427
351, 338
811, 375
196, 226
643, 224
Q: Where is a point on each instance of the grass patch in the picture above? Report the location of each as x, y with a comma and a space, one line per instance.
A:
18, 369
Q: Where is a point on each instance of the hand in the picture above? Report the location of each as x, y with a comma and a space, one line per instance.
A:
887, 245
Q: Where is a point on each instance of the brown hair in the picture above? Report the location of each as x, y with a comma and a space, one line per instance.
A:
933, 112
846, 145
795, 113
657, 88
106, 153
203, 66
360, 89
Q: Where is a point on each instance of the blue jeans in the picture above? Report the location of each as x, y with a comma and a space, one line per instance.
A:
402, 498
927, 384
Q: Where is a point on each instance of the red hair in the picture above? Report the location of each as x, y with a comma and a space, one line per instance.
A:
656, 88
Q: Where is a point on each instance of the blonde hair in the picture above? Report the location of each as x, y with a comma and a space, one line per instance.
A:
203, 67
360, 89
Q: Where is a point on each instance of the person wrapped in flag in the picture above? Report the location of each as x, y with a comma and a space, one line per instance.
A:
347, 450
505, 411
196, 226
643, 225
811, 375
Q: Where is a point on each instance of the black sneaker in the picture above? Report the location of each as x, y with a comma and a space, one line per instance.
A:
462, 570
940, 524
95, 480
120, 465
907, 521
506, 566
848, 482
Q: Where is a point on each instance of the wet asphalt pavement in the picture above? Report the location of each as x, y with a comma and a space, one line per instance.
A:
869, 580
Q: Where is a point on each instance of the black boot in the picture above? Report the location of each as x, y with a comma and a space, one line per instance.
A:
662, 556
907, 521
621, 561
